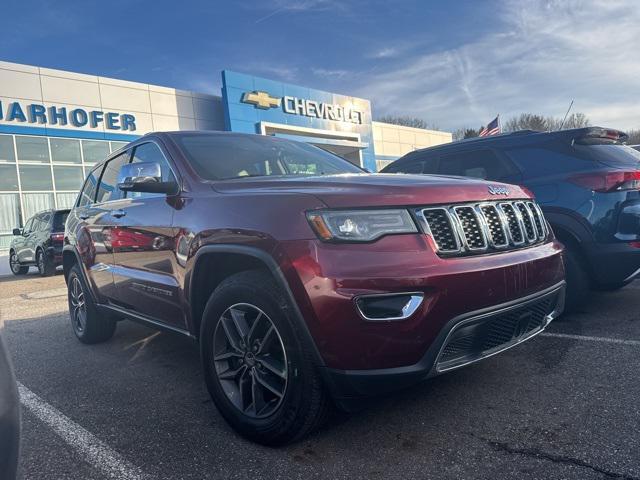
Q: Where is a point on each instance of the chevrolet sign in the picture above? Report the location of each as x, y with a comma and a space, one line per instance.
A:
304, 107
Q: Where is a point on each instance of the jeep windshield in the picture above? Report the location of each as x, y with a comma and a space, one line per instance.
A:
219, 156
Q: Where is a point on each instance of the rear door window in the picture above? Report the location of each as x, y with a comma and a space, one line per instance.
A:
108, 188
483, 164
43, 222
88, 192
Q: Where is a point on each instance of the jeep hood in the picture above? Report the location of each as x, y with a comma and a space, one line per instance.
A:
372, 190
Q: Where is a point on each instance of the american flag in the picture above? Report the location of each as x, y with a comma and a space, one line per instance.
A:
493, 128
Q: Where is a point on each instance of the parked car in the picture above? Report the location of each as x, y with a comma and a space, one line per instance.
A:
39, 243
9, 416
586, 181
304, 279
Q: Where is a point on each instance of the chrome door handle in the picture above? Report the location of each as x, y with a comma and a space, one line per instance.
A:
118, 213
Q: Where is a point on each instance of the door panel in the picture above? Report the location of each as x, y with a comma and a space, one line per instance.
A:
94, 237
144, 255
144, 249
25, 254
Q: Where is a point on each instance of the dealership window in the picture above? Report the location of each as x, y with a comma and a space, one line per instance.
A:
94, 151
33, 203
65, 150
8, 178
35, 177
32, 149
67, 178
117, 145
39, 173
66, 200
9, 212
7, 153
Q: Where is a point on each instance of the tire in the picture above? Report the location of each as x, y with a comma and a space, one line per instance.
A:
250, 299
14, 265
89, 325
46, 268
578, 284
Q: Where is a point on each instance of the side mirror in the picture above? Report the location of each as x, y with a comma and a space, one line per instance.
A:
144, 177
17, 232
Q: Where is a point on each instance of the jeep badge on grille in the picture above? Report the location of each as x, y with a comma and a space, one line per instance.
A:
498, 190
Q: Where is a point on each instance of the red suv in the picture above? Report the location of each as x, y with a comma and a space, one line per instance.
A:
306, 281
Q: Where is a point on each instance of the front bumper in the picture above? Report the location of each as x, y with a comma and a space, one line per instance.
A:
613, 263
327, 279
466, 339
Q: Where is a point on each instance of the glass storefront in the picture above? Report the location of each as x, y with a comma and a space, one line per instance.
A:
38, 173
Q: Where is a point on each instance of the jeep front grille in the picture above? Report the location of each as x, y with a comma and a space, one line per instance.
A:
485, 227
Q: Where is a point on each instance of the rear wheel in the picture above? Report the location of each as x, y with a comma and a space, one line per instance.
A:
46, 268
577, 280
258, 371
15, 266
89, 325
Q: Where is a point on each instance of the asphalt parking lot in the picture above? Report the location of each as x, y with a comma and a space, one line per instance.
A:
564, 405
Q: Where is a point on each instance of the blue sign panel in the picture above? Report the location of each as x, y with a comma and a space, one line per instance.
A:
259, 105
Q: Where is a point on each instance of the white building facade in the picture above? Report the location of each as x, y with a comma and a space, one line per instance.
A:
55, 125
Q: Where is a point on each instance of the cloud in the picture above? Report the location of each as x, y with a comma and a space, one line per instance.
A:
282, 6
386, 52
328, 73
541, 55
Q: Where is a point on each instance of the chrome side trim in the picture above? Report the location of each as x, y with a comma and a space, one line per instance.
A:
415, 300
632, 276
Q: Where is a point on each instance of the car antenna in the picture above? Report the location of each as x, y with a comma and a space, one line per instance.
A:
565, 115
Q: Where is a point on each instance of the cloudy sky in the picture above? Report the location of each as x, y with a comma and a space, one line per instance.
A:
454, 64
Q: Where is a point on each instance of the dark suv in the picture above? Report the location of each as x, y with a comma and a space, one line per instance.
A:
303, 278
586, 181
39, 243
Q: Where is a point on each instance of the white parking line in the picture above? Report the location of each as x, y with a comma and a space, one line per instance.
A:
619, 341
95, 452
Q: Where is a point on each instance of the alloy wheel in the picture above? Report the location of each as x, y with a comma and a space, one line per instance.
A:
250, 360
14, 263
78, 306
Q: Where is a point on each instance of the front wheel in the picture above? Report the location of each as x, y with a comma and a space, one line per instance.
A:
89, 325
15, 266
260, 375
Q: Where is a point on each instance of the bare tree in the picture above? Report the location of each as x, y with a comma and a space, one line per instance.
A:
634, 137
463, 133
407, 121
526, 121
532, 121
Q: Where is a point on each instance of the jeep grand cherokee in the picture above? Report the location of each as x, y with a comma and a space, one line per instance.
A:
306, 281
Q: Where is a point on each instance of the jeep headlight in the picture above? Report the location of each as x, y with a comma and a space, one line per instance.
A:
360, 225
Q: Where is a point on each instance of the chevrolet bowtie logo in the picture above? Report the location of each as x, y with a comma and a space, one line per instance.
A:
261, 100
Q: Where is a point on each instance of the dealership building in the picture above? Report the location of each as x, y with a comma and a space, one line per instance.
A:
54, 125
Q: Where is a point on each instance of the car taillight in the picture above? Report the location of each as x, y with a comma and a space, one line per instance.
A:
608, 181
57, 237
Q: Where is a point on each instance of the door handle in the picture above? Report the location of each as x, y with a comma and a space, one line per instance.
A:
118, 213
83, 216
